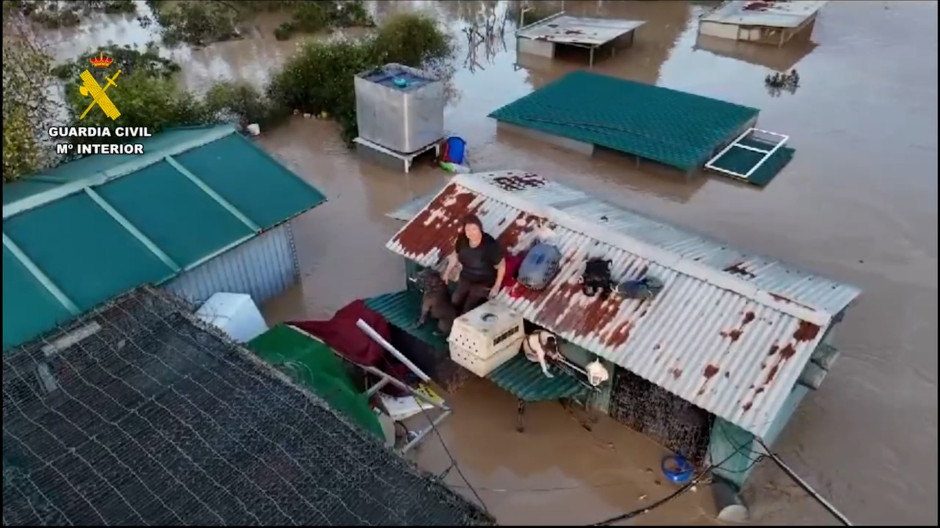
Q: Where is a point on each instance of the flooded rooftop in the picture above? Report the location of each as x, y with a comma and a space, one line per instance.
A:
563, 29
858, 203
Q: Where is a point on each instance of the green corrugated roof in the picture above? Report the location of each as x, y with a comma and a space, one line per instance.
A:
402, 309
101, 225
519, 376
675, 128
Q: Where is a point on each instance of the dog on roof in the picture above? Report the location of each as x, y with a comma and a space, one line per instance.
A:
539, 346
435, 301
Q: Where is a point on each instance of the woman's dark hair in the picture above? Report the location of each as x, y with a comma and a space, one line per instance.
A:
470, 219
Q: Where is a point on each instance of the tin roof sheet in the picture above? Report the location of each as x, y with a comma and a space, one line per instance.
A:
675, 128
564, 29
91, 229
765, 13
730, 332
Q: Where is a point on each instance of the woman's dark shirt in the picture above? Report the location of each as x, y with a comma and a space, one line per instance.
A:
479, 263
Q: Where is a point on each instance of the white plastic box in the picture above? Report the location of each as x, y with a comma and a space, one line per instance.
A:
235, 314
484, 338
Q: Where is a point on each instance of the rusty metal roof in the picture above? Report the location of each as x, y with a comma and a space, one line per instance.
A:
730, 331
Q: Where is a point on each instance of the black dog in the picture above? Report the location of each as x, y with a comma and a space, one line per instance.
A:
435, 300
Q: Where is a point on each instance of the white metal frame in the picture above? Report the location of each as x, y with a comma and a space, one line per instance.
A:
406, 159
735, 144
385, 379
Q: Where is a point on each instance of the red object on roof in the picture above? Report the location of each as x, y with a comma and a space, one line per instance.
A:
343, 336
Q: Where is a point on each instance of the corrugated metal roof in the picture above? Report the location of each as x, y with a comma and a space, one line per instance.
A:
730, 332
678, 129
767, 14
104, 224
564, 29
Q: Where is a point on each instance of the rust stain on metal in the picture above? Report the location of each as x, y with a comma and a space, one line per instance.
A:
620, 335
787, 352
781, 298
563, 307
772, 374
710, 370
747, 406
735, 334
436, 226
519, 181
676, 372
740, 270
523, 224
773, 350
727, 374
806, 331
759, 390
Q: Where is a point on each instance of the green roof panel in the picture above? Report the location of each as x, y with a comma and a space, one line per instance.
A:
83, 250
675, 128
249, 179
166, 206
28, 308
102, 225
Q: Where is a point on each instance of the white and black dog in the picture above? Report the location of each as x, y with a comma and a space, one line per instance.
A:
539, 345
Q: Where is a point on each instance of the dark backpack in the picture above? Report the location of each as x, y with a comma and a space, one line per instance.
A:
539, 267
596, 277
644, 288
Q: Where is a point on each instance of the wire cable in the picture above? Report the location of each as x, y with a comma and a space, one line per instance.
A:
806, 487
453, 460
695, 480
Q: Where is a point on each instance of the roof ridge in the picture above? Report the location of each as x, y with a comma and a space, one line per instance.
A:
642, 249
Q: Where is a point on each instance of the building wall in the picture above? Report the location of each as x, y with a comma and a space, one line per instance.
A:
558, 141
535, 47
715, 29
263, 267
726, 438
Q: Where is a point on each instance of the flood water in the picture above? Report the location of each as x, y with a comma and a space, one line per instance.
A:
858, 203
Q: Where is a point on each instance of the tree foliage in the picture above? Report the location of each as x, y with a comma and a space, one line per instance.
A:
320, 77
149, 95
310, 17
54, 14
197, 22
29, 106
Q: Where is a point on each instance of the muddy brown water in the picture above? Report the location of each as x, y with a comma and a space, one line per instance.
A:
858, 203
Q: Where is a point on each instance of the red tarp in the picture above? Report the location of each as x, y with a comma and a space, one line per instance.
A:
343, 336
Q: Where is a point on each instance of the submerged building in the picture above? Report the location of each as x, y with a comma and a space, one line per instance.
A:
203, 210
719, 358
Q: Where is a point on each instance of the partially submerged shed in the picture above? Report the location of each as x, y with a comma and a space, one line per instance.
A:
546, 36
762, 21
137, 414
725, 351
203, 210
583, 111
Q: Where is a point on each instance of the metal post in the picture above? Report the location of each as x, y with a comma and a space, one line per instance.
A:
591, 61
364, 326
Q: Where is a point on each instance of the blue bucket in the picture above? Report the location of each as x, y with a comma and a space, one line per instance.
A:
456, 150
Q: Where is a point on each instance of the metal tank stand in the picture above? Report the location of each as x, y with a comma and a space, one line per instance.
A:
384, 156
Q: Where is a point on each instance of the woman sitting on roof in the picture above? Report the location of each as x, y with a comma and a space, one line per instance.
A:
482, 265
